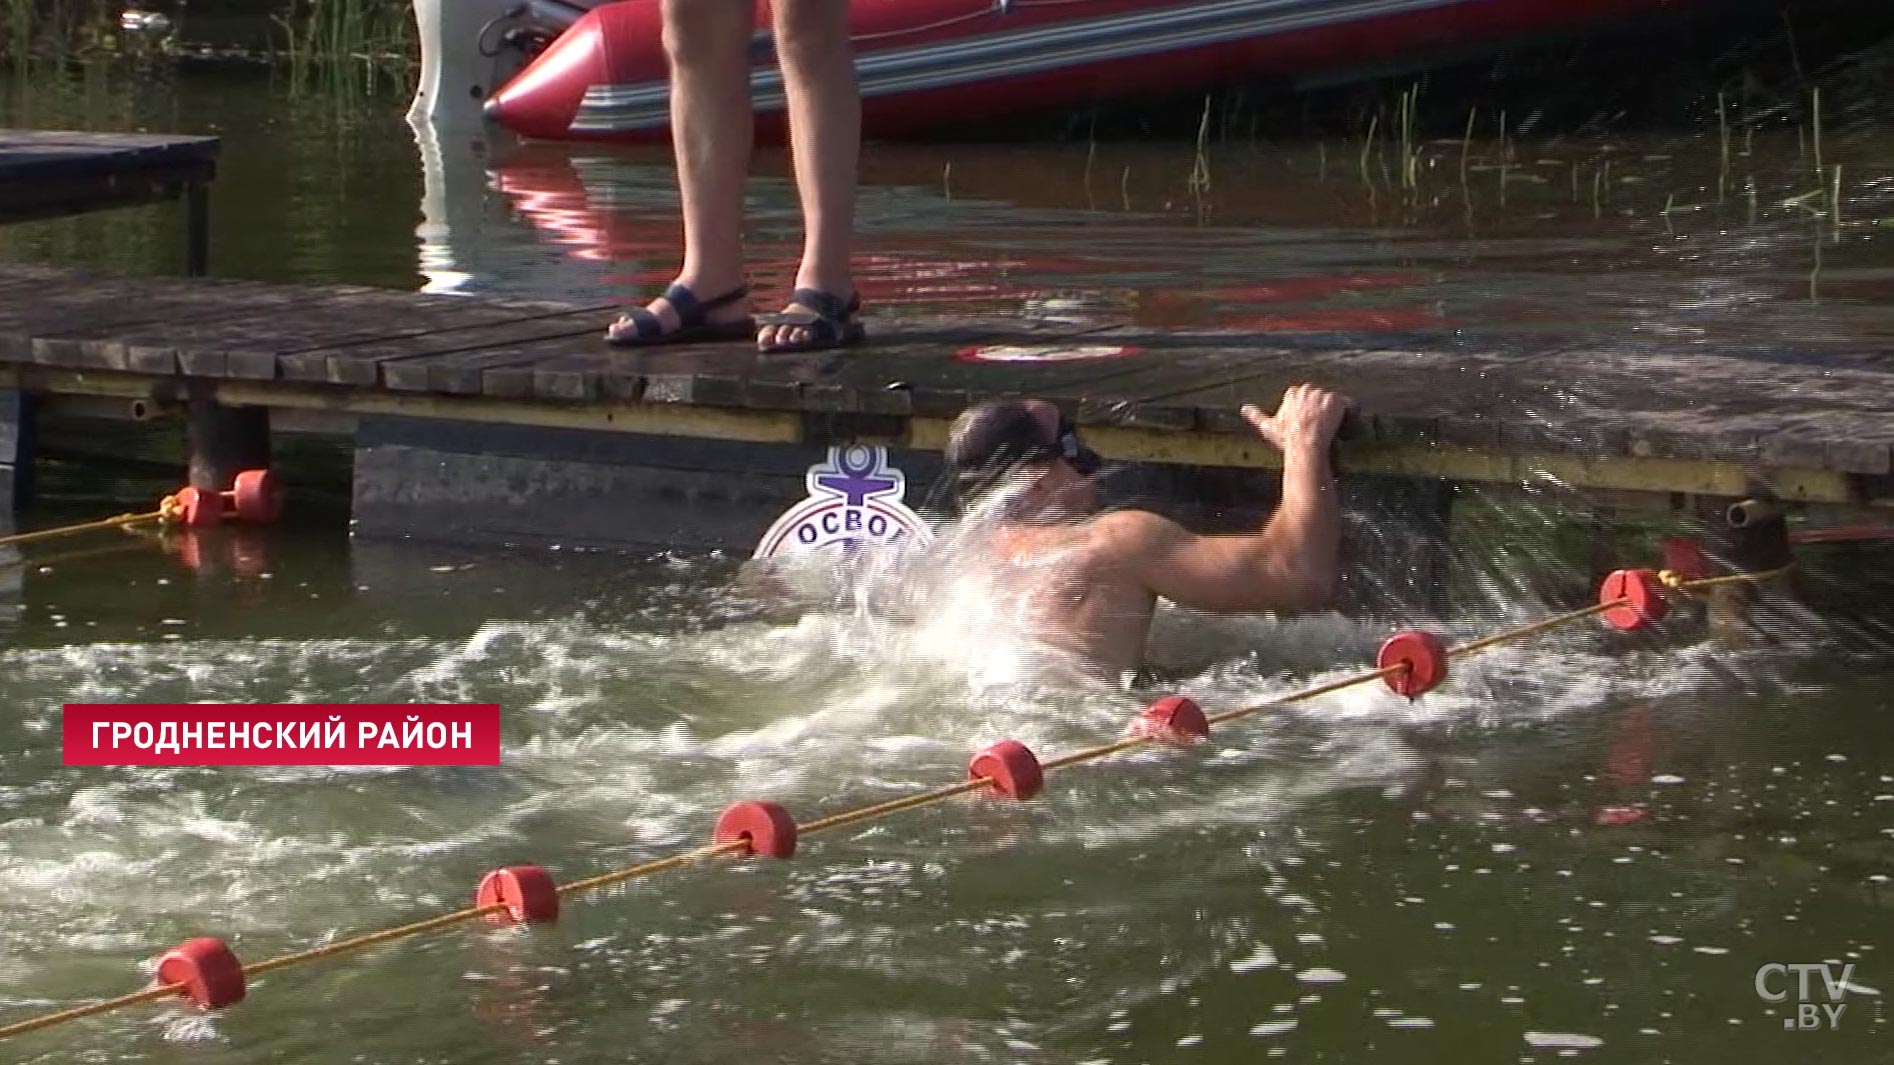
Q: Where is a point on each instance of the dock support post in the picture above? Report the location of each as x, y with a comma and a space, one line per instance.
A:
17, 440
225, 441
197, 229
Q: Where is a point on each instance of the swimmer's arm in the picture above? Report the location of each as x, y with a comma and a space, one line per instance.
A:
1290, 565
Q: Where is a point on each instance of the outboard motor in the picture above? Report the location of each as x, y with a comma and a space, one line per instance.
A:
547, 19
469, 48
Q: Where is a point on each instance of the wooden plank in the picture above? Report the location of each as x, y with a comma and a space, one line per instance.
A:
1600, 408
96, 342
56, 156
1165, 384
1730, 409
14, 275
460, 372
570, 378
914, 367
364, 364
249, 346
1777, 412
723, 375
726, 374
1400, 397
45, 174
1612, 473
1142, 390
710, 375
574, 366
706, 376
1237, 450
52, 306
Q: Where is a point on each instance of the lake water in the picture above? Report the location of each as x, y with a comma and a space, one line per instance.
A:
1357, 879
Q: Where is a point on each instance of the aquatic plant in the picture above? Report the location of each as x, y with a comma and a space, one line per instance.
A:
346, 44
56, 29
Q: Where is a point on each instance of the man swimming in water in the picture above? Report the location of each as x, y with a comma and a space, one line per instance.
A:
1092, 580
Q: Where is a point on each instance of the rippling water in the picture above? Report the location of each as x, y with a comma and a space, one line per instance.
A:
1359, 878
1356, 875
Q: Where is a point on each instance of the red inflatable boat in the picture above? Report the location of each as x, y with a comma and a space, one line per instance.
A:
925, 63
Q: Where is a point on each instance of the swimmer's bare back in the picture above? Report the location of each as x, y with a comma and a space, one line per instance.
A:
1074, 599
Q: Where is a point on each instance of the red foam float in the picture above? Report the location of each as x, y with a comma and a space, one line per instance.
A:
527, 891
1684, 557
256, 498
1011, 767
1635, 598
1172, 719
1425, 657
199, 509
765, 827
207, 973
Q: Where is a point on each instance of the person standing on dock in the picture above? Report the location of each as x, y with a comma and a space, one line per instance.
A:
713, 130
1089, 582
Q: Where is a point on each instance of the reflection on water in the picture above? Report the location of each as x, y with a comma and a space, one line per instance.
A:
1500, 251
1575, 849
1658, 241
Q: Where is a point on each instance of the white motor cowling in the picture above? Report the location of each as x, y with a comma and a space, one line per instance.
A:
469, 48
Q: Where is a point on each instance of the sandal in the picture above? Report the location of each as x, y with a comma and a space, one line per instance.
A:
831, 323
693, 321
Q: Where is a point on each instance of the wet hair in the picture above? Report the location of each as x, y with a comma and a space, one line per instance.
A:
990, 440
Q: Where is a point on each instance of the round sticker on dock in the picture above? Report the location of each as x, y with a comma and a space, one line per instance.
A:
855, 501
1046, 352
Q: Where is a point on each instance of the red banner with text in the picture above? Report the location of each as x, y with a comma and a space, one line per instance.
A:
282, 734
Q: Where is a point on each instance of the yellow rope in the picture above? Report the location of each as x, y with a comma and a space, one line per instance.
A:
1306, 694
892, 806
579, 887
361, 942
859, 814
91, 1009
68, 530
1523, 631
1672, 579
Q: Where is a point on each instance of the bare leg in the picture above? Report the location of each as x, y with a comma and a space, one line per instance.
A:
825, 144
712, 128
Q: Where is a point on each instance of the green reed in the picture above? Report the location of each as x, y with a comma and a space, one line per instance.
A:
56, 29
1200, 167
345, 45
20, 25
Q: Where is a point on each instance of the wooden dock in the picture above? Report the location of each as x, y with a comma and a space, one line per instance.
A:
47, 174
462, 407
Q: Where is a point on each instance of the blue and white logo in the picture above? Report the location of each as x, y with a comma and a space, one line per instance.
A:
855, 501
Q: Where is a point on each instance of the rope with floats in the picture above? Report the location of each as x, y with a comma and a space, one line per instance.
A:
254, 498
1411, 663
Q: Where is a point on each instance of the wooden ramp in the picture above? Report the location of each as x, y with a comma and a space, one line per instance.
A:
1682, 421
